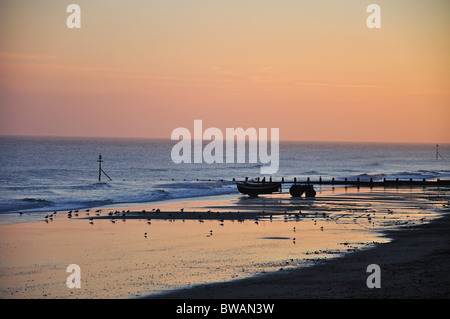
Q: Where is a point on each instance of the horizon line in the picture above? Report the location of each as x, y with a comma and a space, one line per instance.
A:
169, 139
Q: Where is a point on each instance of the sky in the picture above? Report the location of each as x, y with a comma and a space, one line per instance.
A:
141, 68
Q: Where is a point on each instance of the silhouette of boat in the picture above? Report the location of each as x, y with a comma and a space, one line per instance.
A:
258, 188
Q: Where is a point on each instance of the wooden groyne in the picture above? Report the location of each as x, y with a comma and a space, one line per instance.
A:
358, 182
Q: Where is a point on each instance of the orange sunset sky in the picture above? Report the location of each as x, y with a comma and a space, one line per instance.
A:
313, 69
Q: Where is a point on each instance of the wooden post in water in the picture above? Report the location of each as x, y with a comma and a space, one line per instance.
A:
100, 160
100, 171
437, 153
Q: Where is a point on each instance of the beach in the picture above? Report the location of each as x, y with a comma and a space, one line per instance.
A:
236, 247
414, 265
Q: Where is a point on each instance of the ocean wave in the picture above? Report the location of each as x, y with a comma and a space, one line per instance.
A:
409, 174
18, 205
83, 197
93, 186
35, 200
20, 188
443, 171
367, 177
421, 174
312, 173
196, 184
415, 175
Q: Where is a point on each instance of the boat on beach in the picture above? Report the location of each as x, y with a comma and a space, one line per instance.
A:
258, 188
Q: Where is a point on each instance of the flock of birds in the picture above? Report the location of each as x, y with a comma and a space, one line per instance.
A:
123, 213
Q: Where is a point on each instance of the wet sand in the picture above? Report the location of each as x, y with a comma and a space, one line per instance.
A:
415, 265
271, 247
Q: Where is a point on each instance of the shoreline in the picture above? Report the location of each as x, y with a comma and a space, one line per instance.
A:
414, 265
197, 246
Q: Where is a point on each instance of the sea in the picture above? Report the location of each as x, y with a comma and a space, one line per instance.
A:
46, 174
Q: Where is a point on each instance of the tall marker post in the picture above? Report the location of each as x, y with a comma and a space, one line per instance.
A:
100, 170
